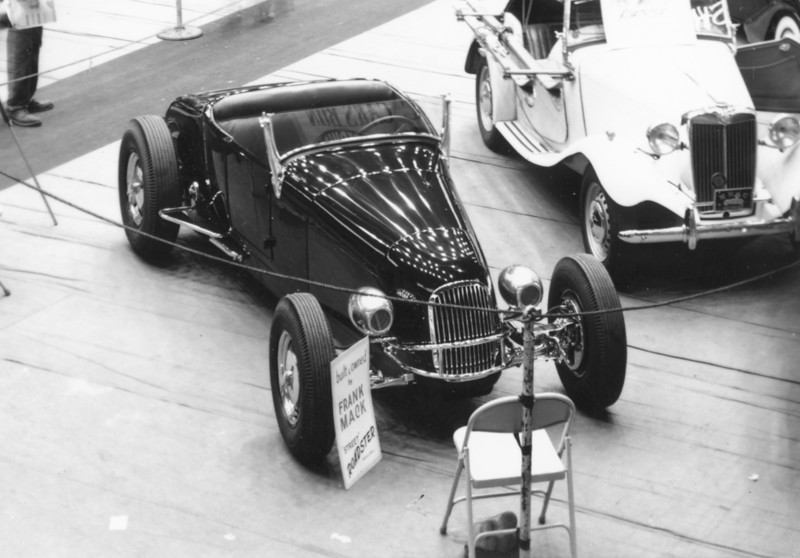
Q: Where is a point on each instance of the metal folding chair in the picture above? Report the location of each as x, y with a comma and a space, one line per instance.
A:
489, 454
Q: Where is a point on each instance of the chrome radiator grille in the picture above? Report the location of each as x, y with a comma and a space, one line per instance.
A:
462, 325
723, 160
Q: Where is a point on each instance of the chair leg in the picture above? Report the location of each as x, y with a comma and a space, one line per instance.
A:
546, 502
470, 520
573, 538
449, 510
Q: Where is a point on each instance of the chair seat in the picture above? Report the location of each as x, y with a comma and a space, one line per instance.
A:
495, 459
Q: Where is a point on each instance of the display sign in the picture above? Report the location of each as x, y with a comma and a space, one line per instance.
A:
31, 13
353, 413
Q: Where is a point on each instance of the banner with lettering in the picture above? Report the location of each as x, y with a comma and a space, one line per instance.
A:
353, 413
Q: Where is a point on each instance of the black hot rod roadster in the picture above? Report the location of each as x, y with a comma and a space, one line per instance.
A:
346, 183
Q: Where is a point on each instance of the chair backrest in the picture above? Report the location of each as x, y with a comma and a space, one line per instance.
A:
504, 414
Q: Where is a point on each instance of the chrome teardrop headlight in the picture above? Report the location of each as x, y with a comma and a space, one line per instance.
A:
663, 138
370, 311
784, 131
520, 286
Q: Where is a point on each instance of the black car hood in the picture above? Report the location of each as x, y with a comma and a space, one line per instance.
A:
395, 202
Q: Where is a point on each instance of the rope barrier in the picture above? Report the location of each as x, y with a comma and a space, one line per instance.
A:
551, 313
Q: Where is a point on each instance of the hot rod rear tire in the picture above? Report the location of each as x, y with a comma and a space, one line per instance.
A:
148, 182
593, 373
490, 135
300, 354
785, 25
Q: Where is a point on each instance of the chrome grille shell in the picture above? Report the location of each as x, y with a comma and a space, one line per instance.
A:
723, 151
466, 339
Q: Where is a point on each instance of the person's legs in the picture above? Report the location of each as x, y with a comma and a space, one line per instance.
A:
23, 65
23, 47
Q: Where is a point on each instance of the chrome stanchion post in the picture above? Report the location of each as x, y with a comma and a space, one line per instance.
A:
526, 434
180, 32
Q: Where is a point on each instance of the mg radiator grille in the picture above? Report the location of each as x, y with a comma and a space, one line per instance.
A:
723, 160
464, 325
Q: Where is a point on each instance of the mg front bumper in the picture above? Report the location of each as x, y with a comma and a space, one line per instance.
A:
695, 229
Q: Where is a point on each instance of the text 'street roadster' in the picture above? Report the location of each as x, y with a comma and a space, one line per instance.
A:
645, 100
337, 194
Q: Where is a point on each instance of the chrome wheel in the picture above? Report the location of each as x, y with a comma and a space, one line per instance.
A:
134, 180
573, 348
485, 99
288, 379
596, 222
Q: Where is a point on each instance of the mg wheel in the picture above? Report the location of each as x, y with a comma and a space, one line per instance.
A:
148, 182
600, 227
593, 367
493, 139
300, 354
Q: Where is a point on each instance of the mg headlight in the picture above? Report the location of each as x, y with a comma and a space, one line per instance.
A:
784, 131
663, 138
370, 311
520, 286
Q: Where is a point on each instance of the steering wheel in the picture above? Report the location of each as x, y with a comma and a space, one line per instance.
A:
388, 118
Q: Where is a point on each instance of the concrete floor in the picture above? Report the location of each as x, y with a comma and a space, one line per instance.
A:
135, 410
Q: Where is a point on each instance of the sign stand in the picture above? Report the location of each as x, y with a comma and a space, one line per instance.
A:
180, 32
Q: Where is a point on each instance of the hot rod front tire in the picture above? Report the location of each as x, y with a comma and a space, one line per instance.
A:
300, 354
148, 182
593, 373
490, 135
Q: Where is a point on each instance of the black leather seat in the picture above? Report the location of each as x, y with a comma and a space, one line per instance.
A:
542, 36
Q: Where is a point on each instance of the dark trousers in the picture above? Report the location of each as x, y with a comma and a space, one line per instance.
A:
23, 65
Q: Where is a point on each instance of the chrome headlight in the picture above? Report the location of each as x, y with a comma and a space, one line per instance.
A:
784, 131
520, 286
370, 311
663, 138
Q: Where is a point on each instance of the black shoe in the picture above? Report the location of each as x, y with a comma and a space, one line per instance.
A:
39, 106
21, 117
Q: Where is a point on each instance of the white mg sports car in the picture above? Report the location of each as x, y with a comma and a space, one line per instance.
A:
679, 135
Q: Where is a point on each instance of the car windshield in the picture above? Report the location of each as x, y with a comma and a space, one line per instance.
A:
636, 22
297, 129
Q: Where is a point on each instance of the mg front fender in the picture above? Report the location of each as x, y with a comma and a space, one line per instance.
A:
779, 172
631, 177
